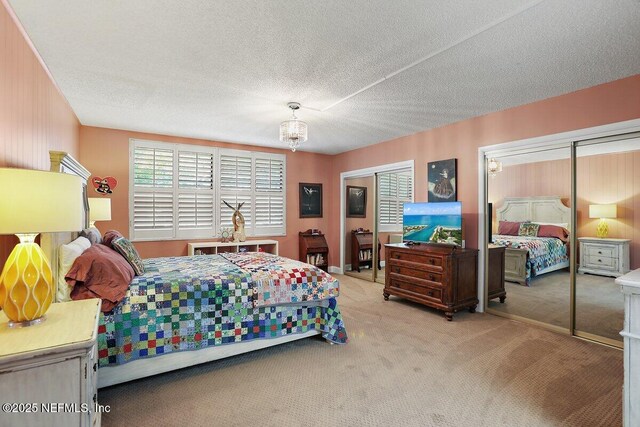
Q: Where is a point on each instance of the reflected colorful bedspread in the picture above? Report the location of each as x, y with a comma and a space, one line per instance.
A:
189, 303
542, 252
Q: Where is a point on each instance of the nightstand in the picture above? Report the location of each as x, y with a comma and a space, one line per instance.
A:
51, 368
604, 257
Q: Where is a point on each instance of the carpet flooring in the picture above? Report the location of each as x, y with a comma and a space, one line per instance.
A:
403, 366
599, 302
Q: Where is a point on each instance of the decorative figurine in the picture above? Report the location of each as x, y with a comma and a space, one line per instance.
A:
238, 223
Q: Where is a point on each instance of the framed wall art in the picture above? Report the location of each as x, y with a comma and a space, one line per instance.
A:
310, 200
356, 202
441, 177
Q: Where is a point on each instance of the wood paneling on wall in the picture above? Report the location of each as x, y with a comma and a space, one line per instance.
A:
34, 116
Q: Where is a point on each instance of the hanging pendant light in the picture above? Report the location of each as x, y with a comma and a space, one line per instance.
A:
494, 167
293, 132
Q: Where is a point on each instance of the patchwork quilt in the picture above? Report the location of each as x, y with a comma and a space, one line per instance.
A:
542, 252
189, 303
278, 280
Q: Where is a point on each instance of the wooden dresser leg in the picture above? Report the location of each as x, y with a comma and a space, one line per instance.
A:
448, 315
386, 296
502, 299
472, 309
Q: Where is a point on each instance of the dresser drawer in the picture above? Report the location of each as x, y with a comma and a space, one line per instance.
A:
599, 251
431, 276
424, 291
424, 259
601, 262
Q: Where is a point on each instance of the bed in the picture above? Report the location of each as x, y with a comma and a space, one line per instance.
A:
529, 257
188, 310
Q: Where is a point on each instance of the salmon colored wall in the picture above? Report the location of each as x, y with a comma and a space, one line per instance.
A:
34, 116
599, 105
105, 152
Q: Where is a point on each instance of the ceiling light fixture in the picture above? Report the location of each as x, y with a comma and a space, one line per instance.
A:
494, 167
294, 131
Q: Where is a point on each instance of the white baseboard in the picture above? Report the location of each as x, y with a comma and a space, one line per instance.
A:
334, 269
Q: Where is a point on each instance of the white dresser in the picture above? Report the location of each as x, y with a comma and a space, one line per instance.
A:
604, 257
630, 284
48, 372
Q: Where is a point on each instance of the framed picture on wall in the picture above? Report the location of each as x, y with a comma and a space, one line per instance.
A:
356, 202
441, 177
310, 200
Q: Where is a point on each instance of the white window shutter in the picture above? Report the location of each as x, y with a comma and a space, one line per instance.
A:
394, 189
177, 190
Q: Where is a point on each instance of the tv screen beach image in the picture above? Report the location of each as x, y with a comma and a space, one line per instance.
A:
433, 223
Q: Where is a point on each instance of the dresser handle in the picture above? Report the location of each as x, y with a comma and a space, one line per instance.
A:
396, 256
431, 277
430, 293
599, 260
432, 261
95, 398
396, 269
95, 367
600, 252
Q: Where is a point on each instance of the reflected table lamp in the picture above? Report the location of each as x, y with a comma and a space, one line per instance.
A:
33, 202
603, 212
99, 210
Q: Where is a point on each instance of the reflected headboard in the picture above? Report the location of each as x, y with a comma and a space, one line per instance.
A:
50, 242
537, 209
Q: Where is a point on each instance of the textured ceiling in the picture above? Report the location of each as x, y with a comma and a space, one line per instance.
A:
365, 71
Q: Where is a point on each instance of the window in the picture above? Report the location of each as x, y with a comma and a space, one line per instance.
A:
395, 188
178, 191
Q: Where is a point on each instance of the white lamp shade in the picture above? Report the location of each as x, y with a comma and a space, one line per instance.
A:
33, 201
99, 209
603, 211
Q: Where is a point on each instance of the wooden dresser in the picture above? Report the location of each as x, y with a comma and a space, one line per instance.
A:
314, 249
439, 276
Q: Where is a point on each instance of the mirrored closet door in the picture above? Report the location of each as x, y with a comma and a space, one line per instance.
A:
529, 203
359, 227
395, 188
608, 221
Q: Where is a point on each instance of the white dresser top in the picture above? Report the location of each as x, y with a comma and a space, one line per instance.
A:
630, 282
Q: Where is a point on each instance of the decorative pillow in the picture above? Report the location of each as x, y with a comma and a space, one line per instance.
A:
128, 251
508, 228
528, 229
557, 224
546, 230
109, 237
67, 254
92, 234
100, 272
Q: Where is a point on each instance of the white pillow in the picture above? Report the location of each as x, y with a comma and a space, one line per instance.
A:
559, 224
67, 254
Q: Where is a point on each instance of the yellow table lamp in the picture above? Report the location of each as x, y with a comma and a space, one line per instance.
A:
99, 210
603, 212
32, 202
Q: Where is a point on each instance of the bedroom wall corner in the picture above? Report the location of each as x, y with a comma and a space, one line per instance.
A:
34, 116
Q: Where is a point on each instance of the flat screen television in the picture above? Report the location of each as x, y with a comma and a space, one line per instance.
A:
432, 223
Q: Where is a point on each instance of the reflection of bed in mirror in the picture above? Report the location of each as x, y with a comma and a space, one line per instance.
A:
551, 253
